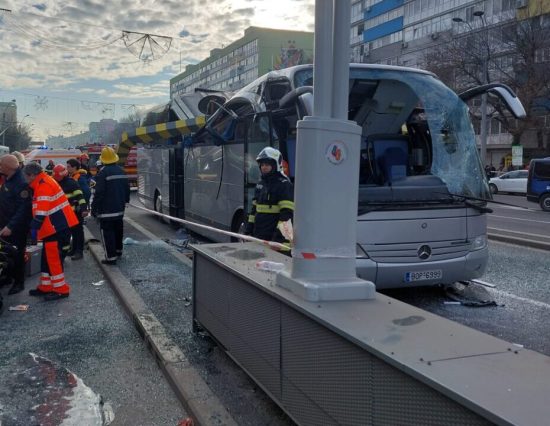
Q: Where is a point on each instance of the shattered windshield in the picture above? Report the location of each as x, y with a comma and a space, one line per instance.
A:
453, 155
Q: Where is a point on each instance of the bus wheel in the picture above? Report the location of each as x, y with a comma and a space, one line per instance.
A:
158, 205
545, 202
493, 188
238, 225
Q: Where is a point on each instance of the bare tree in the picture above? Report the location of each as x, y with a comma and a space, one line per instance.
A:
517, 55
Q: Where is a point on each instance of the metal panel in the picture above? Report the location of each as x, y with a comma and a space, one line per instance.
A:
242, 318
328, 380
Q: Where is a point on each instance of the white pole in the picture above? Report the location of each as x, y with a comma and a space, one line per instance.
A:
327, 174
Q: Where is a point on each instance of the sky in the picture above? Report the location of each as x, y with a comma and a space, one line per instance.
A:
67, 63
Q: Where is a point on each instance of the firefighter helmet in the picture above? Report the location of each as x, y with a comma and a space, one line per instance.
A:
108, 156
59, 172
271, 155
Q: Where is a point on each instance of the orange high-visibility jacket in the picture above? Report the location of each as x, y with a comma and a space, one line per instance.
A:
50, 208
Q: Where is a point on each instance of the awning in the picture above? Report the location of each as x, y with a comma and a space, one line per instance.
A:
157, 134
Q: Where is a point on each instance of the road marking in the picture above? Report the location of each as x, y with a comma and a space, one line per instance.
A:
522, 299
524, 220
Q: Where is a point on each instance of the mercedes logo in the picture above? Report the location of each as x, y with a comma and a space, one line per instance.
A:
424, 252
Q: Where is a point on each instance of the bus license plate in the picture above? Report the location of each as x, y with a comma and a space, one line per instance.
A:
435, 274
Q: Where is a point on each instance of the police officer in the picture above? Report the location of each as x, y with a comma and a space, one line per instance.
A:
273, 201
51, 223
111, 194
15, 216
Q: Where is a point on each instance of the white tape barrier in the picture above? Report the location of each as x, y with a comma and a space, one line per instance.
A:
310, 254
274, 245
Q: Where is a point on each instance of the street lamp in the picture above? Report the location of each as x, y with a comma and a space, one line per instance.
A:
484, 80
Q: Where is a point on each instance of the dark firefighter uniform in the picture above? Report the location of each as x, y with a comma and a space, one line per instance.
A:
112, 192
273, 201
74, 194
15, 213
52, 219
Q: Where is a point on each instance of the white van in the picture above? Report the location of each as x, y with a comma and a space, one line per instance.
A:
59, 156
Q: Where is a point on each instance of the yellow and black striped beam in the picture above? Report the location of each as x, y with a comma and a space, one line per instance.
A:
157, 134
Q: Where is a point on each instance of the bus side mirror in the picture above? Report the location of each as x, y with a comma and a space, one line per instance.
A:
505, 93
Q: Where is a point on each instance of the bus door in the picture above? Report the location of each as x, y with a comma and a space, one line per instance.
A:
175, 179
259, 134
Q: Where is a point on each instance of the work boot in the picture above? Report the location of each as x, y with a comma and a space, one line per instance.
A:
36, 292
16, 288
77, 256
108, 262
55, 296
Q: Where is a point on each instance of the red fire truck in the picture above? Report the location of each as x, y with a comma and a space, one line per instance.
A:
130, 165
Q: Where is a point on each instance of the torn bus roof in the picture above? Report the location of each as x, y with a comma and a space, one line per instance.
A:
158, 133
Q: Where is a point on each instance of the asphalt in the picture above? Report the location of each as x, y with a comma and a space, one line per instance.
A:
189, 387
154, 283
85, 339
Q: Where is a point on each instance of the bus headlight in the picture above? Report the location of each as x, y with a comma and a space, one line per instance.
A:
479, 242
360, 253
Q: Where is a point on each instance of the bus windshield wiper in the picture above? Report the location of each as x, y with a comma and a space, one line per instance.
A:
470, 198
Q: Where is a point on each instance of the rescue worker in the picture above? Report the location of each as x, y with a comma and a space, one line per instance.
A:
20, 157
15, 216
273, 201
52, 221
49, 167
84, 164
111, 194
79, 175
76, 199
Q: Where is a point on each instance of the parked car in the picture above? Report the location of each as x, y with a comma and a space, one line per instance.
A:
538, 189
514, 181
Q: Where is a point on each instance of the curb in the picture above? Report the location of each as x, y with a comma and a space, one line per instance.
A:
519, 241
194, 394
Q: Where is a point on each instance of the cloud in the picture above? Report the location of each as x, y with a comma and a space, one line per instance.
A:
74, 47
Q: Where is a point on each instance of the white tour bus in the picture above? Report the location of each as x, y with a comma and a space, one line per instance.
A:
421, 213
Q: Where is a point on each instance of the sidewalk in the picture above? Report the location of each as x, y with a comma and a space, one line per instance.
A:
164, 283
90, 335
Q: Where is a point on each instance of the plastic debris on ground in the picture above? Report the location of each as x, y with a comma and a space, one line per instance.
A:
19, 308
186, 422
99, 283
266, 265
473, 295
129, 241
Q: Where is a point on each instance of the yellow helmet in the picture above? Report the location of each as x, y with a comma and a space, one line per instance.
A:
108, 156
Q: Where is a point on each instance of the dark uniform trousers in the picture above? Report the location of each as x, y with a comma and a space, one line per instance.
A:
112, 231
19, 240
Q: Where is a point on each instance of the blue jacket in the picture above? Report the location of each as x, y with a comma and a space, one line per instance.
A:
16, 204
112, 192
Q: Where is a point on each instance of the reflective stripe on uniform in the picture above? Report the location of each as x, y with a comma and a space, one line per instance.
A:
251, 218
110, 214
266, 208
286, 204
55, 209
48, 198
113, 177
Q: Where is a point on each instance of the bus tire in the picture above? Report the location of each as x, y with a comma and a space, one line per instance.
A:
545, 202
238, 225
157, 205
493, 188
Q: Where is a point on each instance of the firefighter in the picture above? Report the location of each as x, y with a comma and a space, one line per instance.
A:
15, 216
52, 221
85, 164
76, 199
111, 194
79, 175
273, 201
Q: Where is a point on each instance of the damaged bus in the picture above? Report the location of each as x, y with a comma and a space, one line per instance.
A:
421, 212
